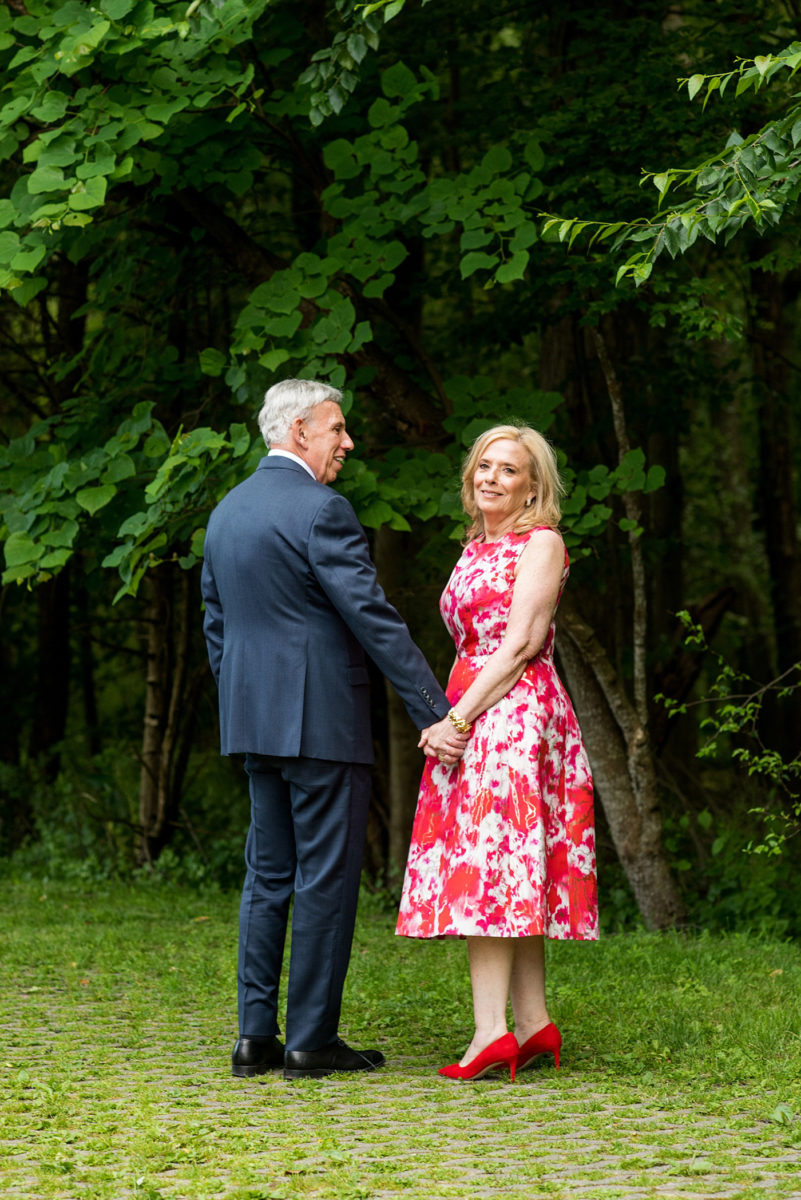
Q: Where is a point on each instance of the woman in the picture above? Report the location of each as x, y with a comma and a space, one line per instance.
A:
503, 847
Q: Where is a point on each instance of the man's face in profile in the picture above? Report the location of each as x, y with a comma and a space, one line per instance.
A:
326, 441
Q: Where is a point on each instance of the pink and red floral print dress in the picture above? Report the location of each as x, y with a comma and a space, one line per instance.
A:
503, 843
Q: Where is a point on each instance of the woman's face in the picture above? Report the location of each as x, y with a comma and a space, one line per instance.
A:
502, 480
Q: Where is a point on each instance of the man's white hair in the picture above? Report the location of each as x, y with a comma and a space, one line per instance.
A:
286, 401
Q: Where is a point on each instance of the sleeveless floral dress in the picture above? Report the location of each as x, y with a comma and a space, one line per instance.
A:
503, 843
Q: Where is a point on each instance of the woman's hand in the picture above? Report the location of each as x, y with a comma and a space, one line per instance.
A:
443, 741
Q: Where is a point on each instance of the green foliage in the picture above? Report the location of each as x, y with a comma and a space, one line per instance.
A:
180, 84
99, 99
724, 886
59, 496
239, 192
736, 726
754, 178
333, 73
85, 822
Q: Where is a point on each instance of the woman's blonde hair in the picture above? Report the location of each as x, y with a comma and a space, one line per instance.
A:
548, 487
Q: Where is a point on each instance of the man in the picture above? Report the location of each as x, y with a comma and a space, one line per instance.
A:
292, 603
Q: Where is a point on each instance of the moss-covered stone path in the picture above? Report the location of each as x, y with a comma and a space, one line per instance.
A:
116, 1027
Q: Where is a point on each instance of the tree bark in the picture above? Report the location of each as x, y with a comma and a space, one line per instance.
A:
616, 731
52, 672
622, 767
172, 688
404, 760
777, 492
53, 595
83, 626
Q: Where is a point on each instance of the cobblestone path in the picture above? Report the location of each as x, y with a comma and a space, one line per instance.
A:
106, 1112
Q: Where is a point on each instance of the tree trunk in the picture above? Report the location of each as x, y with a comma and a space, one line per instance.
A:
53, 671
83, 629
622, 767
171, 699
772, 350
403, 783
53, 595
616, 730
404, 760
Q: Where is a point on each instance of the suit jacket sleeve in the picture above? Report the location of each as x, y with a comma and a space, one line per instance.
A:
340, 558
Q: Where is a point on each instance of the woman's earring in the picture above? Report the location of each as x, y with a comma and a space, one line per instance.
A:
530, 501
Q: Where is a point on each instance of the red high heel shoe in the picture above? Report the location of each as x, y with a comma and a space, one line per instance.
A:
545, 1041
500, 1053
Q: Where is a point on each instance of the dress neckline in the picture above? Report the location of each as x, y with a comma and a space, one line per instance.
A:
481, 541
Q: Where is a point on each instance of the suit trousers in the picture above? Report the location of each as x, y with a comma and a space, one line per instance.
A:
306, 839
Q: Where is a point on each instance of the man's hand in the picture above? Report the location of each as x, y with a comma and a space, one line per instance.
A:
443, 741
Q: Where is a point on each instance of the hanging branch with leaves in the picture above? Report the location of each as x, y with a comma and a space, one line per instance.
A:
753, 179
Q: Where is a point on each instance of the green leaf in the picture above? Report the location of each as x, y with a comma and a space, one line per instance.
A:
212, 362
52, 107
336, 98
473, 239
45, 179
95, 498
339, 157
515, 268
10, 245
28, 290
376, 288
376, 514
273, 359
28, 258
285, 326
88, 195
654, 479
476, 260
694, 85
239, 435
398, 80
117, 9
196, 542
380, 113
121, 467
524, 237
498, 160
357, 47
19, 548
392, 9
532, 153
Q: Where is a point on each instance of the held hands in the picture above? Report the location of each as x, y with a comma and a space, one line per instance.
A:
443, 741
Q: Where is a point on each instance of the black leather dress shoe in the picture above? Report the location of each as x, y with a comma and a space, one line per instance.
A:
314, 1064
256, 1056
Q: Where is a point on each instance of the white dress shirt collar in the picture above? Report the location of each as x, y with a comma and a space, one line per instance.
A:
295, 458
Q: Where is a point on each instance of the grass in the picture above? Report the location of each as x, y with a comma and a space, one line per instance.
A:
681, 1070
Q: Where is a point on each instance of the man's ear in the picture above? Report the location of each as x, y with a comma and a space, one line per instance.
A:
298, 432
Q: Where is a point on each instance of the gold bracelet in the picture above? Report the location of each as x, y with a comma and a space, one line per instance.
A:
459, 722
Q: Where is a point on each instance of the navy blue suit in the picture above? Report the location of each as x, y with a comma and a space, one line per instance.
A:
292, 604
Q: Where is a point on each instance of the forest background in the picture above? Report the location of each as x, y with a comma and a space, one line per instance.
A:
441, 208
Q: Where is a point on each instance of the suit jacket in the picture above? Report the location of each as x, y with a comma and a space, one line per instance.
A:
292, 603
